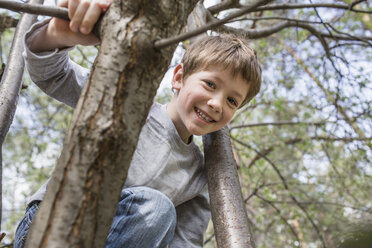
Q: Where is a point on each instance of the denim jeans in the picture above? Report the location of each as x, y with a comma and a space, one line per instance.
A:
145, 218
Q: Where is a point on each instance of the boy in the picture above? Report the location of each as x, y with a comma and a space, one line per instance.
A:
164, 201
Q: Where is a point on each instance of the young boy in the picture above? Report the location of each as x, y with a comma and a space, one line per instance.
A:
164, 201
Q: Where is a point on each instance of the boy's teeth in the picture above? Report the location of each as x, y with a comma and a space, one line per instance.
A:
203, 116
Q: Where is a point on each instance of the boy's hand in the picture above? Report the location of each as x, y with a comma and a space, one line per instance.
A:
60, 33
84, 13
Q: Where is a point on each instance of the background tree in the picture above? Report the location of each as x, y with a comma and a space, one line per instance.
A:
304, 144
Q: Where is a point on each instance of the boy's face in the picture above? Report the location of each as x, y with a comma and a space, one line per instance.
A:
205, 101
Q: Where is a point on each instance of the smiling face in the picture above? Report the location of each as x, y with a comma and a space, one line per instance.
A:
205, 101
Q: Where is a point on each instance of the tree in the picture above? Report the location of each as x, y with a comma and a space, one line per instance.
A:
11, 82
108, 119
304, 145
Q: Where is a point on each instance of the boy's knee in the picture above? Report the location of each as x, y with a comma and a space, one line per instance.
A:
24, 225
145, 218
158, 209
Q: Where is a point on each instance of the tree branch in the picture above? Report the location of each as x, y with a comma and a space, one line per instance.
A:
11, 83
355, 2
281, 216
279, 123
368, 210
253, 34
166, 42
273, 18
265, 32
224, 6
36, 9
316, 5
315, 226
298, 140
329, 96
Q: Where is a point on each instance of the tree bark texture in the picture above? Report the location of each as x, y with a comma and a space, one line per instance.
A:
11, 81
85, 187
227, 206
230, 221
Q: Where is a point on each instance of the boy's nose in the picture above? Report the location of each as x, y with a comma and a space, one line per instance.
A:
215, 104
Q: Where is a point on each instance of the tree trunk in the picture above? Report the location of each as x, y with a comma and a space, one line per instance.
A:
11, 81
85, 187
229, 216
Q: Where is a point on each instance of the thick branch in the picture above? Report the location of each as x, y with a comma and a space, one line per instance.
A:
36, 9
11, 82
229, 216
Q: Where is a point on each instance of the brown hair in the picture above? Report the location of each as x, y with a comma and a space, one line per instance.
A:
229, 51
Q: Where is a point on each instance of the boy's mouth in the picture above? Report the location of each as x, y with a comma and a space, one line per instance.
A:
202, 115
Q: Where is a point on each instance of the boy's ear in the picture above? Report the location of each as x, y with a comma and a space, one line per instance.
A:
177, 77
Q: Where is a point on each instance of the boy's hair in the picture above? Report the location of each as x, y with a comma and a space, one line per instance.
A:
229, 51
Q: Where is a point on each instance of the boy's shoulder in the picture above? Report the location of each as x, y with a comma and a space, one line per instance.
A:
158, 113
160, 125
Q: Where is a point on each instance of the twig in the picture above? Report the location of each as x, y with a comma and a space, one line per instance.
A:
281, 216
353, 37
273, 18
279, 123
328, 95
209, 238
284, 182
325, 203
317, 5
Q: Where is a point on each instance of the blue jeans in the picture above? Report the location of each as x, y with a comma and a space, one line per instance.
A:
144, 218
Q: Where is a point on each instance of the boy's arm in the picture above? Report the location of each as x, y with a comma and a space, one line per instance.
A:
192, 221
47, 45
53, 72
60, 33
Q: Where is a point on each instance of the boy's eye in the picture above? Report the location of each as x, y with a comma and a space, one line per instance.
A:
210, 84
232, 101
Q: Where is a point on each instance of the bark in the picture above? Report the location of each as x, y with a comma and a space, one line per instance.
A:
11, 82
229, 216
227, 206
85, 187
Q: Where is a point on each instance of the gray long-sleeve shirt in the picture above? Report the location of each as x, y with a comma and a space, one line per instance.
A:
161, 160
